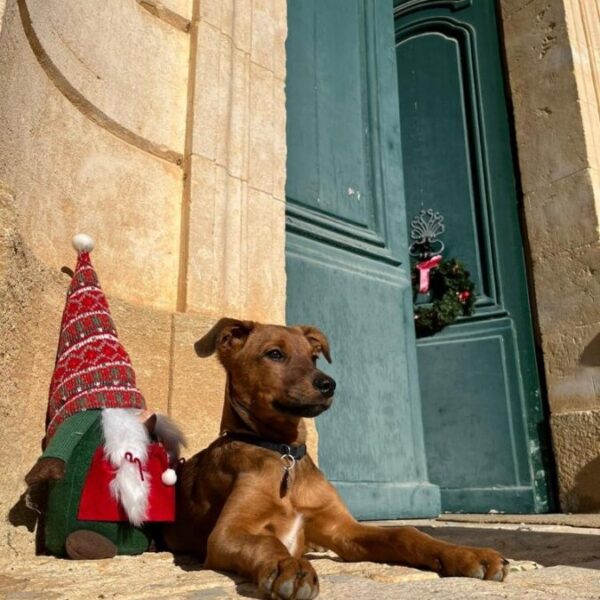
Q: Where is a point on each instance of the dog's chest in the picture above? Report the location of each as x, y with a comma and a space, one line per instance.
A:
291, 533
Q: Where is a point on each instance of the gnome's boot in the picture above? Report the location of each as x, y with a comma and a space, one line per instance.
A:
89, 545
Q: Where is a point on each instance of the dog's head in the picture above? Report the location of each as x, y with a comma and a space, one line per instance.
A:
272, 369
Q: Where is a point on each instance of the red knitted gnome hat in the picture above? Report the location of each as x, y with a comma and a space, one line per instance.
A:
92, 369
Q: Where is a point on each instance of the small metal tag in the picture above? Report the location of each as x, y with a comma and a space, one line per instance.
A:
289, 462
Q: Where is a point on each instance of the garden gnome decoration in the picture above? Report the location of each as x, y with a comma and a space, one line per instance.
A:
106, 457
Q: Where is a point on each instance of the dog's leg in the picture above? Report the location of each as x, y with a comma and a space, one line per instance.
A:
243, 541
330, 524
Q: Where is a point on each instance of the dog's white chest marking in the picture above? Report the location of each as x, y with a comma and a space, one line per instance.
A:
290, 539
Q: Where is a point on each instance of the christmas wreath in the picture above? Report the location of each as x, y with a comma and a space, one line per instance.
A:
451, 291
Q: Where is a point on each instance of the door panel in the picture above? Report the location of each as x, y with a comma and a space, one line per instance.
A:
482, 412
443, 98
488, 430
346, 250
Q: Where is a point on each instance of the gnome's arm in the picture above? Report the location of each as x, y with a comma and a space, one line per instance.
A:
51, 465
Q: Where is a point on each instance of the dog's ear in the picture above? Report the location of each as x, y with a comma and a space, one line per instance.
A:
318, 340
226, 333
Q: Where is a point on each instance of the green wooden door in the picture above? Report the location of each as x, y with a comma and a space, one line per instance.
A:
482, 411
347, 253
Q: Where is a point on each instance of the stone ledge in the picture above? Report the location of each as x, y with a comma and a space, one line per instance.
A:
160, 575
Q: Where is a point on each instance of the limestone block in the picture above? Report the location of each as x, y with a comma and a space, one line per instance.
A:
206, 92
583, 24
280, 33
128, 64
547, 115
70, 175
198, 384
224, 86
576, 437
233, 18
569, 289
242, 25
562, 215
227, 18
203, 265
210, 11
217, 268
265, 254
146, 335
263, 33
236, 264
262, 111
509, 7
563, 349
232, 141
221, 113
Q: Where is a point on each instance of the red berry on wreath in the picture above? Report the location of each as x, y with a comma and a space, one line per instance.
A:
445, 305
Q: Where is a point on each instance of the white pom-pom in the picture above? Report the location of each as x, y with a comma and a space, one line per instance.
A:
169, 477
83, 243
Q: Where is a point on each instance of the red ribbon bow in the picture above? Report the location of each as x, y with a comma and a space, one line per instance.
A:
424, 271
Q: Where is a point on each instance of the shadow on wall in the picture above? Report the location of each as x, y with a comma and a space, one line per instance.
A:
590, 357
577, 389
586, 490
28, 512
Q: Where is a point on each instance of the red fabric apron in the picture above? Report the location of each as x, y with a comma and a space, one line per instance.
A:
98, 504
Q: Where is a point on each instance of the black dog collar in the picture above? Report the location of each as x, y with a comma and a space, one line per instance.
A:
296, 451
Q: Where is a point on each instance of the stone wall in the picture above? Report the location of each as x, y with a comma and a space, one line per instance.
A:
553, 59
159, 129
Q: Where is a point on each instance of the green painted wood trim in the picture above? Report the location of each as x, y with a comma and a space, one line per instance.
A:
385, 500
514, 500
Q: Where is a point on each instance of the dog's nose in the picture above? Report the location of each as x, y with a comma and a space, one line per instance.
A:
325, 385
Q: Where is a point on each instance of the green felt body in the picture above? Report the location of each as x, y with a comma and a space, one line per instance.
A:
75, 442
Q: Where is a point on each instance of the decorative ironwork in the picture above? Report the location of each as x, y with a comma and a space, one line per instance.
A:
425, 228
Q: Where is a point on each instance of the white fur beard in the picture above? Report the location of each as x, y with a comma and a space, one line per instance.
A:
124, 433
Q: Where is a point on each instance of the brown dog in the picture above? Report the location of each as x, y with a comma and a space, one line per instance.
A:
252, 501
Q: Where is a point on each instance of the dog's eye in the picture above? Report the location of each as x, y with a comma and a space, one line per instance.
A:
275, 354
314, 359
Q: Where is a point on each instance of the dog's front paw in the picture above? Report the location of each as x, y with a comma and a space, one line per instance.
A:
290, 579
480, 563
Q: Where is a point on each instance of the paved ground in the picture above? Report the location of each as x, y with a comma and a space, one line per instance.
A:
571, 556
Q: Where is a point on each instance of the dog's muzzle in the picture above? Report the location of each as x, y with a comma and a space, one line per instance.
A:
298, 409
